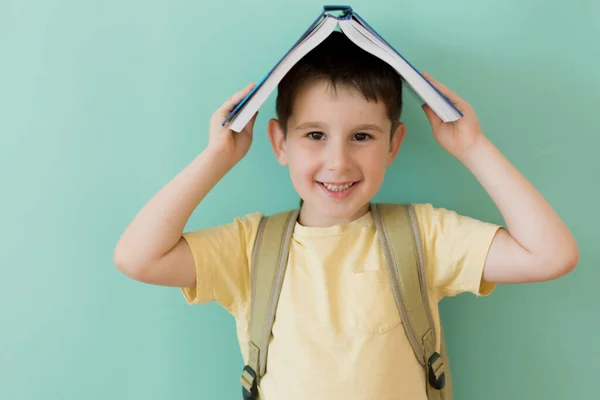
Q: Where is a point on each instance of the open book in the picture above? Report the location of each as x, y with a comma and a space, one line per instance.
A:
361, 34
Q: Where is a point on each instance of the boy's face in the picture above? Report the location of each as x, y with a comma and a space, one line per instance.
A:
337, 148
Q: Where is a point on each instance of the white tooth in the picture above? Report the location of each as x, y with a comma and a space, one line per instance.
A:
337, 188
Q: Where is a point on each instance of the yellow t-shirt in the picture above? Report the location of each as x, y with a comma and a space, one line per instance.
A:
337, 333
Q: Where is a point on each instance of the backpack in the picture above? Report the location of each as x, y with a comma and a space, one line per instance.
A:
399, 236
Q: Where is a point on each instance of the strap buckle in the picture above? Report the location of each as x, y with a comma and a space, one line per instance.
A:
249, 386
437, 377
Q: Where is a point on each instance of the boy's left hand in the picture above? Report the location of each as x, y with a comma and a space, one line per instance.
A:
457, 137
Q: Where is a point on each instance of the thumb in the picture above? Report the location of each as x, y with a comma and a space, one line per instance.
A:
250, 125
433, 118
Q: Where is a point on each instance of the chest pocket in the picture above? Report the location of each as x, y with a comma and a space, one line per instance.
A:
370, 303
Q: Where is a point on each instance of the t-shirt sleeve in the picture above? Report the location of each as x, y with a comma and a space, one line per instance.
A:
455, 250
221, 257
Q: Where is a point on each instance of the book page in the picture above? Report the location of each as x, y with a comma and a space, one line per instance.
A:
415, 81
322, 31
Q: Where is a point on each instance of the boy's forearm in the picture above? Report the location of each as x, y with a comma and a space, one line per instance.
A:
157, 228
529, 218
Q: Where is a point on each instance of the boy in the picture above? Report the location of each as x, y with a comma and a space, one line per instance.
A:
338, 334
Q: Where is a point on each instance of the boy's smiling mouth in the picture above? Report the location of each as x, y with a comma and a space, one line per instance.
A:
338, 190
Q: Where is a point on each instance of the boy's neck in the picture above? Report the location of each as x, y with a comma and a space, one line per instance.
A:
312, 217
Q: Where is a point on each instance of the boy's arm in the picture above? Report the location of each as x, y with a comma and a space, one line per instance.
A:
538, 246
152, 248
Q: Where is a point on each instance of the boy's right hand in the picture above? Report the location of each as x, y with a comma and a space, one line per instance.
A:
223, 140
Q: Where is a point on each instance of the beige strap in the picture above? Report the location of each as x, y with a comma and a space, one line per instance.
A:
401, 245
269, 261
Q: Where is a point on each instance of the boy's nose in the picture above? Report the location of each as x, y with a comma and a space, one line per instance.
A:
337, 158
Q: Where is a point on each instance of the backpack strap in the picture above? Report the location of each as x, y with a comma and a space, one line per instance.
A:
402, 248
270, 253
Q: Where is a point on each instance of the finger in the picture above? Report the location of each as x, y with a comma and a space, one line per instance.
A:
234, 100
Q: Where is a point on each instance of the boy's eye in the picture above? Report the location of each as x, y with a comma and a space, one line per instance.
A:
315, 135
362, 137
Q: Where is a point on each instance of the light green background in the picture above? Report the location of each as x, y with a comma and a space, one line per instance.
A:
103, 102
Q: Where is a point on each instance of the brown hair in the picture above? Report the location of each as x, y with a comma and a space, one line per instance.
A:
339, 61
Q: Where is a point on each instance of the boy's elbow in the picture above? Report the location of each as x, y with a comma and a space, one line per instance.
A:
572, 258
127, 265
565, 261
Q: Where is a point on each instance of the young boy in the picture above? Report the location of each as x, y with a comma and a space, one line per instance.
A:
338, 334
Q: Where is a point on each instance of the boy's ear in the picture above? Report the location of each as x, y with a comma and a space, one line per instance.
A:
277, 140
396, 142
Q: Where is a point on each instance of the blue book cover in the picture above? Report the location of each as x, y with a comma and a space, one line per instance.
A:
345, 12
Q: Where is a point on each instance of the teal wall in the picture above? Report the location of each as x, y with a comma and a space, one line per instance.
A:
103, 102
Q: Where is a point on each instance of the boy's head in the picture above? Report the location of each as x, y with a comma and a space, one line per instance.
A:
338, 128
